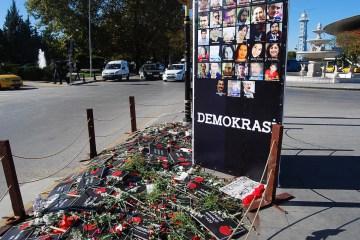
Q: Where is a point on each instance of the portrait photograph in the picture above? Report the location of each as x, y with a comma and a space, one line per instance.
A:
203, 70
203, 37
272, 71
203, 53
216, 36
256, 71
203, 5
214, 71
257, 51
215, 4
234, 88
215, 19
215, 54
241, 52
227, 52
258, 32
275, 12
243, 2
203, 20
243, 33
243, 16
220, 87
241, 71
227, 70
258, 14
248, 89
273, 51
229, 17
229, 35
229, 3
273, 32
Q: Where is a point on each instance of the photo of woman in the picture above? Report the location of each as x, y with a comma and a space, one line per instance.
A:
256, 71
241, 70
241, 53
203, 70
273, 51
229, 35
242, 33
215, 54
203, 5
243, 2
227, 70
227, 53
257, 51
273, 32
229, 3
243, 16
203, 54
258, 14
271, 73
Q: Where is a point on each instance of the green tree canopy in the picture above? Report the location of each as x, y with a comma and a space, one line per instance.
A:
350, 43
137, 30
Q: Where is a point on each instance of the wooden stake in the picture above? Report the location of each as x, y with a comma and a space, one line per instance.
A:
91, 129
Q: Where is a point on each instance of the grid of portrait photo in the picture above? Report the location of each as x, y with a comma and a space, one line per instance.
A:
239, 43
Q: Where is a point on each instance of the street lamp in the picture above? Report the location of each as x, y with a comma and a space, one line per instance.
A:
90, 47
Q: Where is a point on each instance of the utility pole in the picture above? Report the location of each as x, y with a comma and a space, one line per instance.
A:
187, 118
90, 45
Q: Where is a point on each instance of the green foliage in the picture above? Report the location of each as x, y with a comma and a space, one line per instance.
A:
291, 55
211, 201
136, 162
350, 43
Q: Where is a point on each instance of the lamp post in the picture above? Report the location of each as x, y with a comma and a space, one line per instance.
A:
90, 45
187, 6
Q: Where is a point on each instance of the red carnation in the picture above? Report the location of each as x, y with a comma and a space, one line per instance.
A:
199, 179
117, 173
100, 190
192, 185
89, 227
136, 220
258, 191
248, 199
225, 230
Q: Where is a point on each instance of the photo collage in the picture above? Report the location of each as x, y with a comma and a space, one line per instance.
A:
239, 43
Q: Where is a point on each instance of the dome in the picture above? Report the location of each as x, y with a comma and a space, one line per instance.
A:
304, 16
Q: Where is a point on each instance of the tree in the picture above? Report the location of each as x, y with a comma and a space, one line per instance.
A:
350, 43
291, 55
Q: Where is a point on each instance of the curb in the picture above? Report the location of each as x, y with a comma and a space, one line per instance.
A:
327, 88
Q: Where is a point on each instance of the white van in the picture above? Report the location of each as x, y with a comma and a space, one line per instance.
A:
116, 70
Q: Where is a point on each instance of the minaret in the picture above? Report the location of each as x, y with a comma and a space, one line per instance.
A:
302, 42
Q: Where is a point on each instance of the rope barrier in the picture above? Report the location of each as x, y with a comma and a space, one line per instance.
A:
111, 134
108, 120
1, 158
54, 173
6, 192
56, 153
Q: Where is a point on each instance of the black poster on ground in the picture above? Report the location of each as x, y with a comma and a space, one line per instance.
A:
239, 74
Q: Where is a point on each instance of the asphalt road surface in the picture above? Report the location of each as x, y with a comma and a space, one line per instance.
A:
52, 119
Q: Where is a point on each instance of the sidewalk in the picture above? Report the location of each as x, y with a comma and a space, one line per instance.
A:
48, 84
320, 83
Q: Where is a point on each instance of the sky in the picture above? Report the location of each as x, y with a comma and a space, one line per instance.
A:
323, 11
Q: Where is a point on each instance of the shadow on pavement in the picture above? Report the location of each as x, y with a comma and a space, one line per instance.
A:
320, 172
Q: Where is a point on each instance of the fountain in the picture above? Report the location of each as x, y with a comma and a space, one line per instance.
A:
317, 53
41, 59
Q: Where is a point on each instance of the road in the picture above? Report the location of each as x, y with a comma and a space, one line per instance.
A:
51, 119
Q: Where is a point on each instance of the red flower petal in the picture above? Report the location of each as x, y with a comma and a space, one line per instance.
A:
159, 146
117, 173
181, 159
225, 230
248, 199
185, 163
100, 190
258, 191
89, 227
24, 226
199, 179
192, 185
136, 220
94, 172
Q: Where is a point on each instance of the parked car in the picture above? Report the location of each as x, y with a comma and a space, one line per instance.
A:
10, 81
175, 72
151, 71
116, 70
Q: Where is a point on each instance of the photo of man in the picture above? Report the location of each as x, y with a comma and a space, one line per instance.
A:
229, 18
256, 71
241, 71
215, 54
229, 3
234, 88
203, 70
258, 14
216, 19
203, 20
249, 89
229, 35
275, 12
227, 70
220, 88
274, 32
203, 37
258, 32
215, 4
203, 5
243, 2
216, 36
